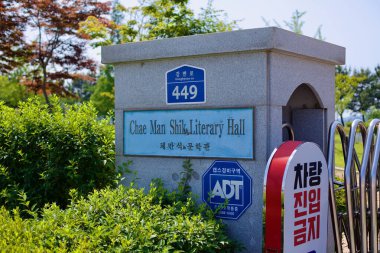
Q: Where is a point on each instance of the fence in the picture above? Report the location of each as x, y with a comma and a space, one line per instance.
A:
358, 221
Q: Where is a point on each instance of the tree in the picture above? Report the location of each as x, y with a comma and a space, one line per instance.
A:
155, 19
58, 50
103, 97
295, 24
82, 89
168, 19
12, 46
150, 19
117, 17
345, 85
367, 92
374, 113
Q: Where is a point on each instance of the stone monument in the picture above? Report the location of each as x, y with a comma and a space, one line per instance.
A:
221, 100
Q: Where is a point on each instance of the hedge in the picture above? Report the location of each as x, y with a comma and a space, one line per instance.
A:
46, 151
116, 220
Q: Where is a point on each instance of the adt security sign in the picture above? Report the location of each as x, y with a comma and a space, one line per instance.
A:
185, 85
226, 184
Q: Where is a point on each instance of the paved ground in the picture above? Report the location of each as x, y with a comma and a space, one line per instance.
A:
339, 172
345, 246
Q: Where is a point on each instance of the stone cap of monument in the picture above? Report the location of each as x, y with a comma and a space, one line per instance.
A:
269, 39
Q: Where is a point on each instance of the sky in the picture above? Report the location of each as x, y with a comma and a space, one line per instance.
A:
353, 24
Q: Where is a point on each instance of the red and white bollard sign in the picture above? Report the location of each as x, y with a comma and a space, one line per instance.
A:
296, 199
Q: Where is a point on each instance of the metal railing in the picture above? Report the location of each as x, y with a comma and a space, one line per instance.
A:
358, 221
290, 130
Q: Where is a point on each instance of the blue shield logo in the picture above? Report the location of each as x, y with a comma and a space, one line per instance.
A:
228, 187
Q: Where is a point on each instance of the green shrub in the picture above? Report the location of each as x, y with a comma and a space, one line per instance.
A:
340, 197
45, 152
116, 220
11, 91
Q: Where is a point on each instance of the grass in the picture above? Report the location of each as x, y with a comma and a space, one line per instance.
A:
339, 159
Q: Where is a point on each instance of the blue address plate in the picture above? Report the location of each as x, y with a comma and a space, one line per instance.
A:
186, 85
217, 133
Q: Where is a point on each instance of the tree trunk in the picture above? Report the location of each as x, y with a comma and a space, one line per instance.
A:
44, 88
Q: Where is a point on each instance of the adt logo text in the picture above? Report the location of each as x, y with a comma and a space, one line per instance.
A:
227, 187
